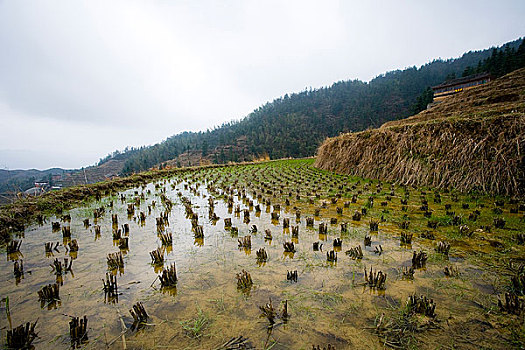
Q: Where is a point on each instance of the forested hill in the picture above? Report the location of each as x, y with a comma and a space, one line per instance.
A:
295, 125
472, 141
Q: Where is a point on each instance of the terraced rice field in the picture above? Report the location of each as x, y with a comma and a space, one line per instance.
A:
436, 265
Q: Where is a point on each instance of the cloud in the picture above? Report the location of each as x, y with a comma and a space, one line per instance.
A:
37, 142
136, 72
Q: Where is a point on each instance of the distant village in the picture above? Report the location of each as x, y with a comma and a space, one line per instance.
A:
58, 181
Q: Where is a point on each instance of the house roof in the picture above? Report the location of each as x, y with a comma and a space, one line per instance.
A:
34, 191
463, 80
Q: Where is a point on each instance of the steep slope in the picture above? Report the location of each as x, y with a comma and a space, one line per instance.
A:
93, 174
296, 124
472, 141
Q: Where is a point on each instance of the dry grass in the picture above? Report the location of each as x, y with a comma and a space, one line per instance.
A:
474, 141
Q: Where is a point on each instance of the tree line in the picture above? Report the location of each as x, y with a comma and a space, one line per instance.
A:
295, 124
501, 61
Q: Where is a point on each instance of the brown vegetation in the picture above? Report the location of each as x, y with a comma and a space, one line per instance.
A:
472, 141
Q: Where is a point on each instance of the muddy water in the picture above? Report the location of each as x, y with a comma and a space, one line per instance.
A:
329, 304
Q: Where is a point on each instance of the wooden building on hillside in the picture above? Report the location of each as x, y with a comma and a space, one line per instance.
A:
455, 86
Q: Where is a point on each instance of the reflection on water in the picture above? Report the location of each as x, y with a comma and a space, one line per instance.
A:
328, 303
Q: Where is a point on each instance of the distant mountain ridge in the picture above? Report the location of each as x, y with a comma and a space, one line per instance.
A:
15, 181
20, 180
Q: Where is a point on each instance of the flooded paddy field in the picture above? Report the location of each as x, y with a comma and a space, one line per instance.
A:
330, 260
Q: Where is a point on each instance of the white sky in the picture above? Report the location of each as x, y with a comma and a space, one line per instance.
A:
80, 79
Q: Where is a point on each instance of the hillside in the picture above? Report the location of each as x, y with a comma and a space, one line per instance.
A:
20, 180
472, 141
295, 125
93, 174
291, 126
15, 181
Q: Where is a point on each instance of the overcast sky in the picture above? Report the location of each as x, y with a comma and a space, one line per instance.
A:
80, 79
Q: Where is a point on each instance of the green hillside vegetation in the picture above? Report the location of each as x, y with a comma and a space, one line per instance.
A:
294, 125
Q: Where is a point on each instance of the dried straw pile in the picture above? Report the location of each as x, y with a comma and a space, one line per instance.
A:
473, 141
